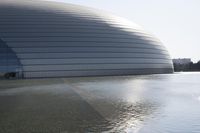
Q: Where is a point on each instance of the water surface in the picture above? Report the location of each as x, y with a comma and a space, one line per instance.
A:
140, 104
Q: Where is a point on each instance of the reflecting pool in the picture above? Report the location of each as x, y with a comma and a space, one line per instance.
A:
138, 104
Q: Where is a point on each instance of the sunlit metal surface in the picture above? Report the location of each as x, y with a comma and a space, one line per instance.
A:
56, 39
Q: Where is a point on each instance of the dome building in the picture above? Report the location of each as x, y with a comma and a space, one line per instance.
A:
50, 39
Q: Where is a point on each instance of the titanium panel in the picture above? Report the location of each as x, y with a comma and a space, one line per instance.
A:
51, 39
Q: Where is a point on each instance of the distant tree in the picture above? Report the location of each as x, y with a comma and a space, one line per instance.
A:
191, 65
198, 65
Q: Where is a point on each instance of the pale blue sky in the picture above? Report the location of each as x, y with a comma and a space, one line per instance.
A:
175, 22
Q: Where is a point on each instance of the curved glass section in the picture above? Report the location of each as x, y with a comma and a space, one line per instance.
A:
9, 62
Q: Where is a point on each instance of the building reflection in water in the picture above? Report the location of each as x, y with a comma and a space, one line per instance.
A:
122, 102
115, 104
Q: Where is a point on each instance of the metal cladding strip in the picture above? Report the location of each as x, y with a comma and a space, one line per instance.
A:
97, 72
92, 67
30, 56
53, 39
93, 61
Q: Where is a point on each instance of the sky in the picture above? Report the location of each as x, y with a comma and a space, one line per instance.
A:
175, 22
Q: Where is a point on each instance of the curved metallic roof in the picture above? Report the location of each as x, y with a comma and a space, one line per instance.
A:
55, 39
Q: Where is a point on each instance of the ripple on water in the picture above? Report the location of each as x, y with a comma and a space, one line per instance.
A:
142, 104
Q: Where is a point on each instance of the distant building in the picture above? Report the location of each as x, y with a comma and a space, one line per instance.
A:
182, 61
